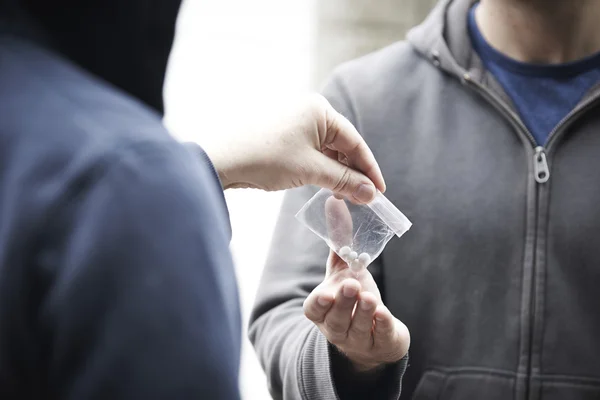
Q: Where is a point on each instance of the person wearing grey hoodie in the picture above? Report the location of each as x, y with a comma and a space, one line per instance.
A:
485, 123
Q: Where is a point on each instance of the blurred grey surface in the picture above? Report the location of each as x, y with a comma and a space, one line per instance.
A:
346, 29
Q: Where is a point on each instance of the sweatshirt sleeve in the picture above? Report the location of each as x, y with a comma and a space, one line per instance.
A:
205, 160
142, 301
299, 362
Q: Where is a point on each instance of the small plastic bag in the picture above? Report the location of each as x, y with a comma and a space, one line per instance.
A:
357, 233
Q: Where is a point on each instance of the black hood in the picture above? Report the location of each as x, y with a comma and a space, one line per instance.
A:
125, 42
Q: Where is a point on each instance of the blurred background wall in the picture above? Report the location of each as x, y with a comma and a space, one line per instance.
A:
236, 63
346, 29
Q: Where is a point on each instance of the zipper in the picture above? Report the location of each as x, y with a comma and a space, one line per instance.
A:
541, 176
501, 106
540, 161
541, 172
567, 119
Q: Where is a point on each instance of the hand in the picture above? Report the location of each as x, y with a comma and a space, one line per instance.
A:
314, 145
369, 335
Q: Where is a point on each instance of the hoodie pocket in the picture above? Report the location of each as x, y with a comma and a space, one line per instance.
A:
462, 384
559, 390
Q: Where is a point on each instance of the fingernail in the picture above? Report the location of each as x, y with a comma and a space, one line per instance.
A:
365, 306
379, 318
323, 302
364, 193
350, 291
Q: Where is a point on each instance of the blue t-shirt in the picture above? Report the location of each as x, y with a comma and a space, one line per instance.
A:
542, 94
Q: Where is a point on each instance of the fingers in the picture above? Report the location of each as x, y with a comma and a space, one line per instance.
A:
361, 328
316, 306
335, 263
342, 136
340, 178
334, 155
339, 222
337, 320
390, 334
384, 324
356, 322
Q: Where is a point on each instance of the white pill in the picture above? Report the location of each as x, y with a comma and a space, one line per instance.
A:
365, 259
353, 255
345, 252
356, 266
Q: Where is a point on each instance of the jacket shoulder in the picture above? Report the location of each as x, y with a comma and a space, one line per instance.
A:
394, 64
49, 100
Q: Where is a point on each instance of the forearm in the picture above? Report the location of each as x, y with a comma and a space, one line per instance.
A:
293, 353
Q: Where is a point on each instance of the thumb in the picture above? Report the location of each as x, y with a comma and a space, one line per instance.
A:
341, 179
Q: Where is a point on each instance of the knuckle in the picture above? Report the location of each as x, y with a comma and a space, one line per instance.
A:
311, 310
310, 313
343, 181
361, 147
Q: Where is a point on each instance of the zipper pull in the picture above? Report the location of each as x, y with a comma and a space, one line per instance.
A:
540, 166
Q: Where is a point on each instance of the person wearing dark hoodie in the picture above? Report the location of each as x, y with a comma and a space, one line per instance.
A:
486, 124
116, 280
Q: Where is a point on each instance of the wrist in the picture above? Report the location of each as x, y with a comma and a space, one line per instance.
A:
361, 373
355, 364
367, 368
384, 381
225, 166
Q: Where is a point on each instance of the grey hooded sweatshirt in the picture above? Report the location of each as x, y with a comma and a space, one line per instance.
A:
499, 278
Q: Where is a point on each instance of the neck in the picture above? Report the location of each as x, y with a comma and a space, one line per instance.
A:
541, 31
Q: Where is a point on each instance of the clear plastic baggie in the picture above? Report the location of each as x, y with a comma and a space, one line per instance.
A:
357, 233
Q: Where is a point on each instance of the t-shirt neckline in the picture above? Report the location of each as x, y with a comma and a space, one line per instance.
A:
564, 70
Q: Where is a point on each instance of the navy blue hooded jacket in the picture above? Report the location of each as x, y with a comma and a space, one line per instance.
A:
116, 281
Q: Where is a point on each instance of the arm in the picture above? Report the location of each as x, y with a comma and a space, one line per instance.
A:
279, 331
142, 300
314, 145
299, 361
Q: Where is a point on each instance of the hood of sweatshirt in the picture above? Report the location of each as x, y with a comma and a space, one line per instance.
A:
124, 42
444, 40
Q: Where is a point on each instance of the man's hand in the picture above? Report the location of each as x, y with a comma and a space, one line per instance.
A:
314, 145
350, 313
